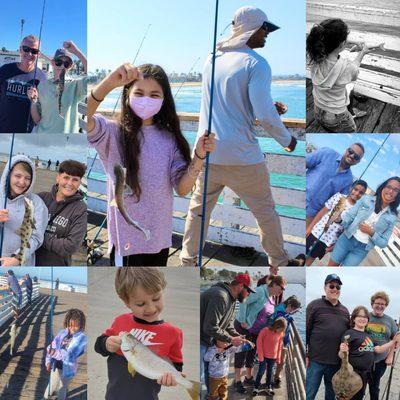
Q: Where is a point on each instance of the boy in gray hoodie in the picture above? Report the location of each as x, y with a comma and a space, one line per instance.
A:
67, 223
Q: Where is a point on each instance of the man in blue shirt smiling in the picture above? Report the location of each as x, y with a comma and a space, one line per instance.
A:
328, 173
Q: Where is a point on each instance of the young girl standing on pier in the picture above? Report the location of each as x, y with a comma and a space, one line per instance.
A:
63, 352
331, 72
148, 142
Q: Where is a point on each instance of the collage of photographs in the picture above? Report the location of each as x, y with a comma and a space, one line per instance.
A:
200, 200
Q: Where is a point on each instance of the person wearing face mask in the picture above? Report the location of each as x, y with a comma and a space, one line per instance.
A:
55, 103
369, 223
67, 223
242, 94
326, 321
381, 328
252, 317
326, 230
21, 181
148, 142
15, 81
328, 173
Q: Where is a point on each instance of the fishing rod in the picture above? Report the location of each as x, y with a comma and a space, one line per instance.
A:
180, 87
207, 162
8, 181
362, 174
36, 63
133, 63
51, 323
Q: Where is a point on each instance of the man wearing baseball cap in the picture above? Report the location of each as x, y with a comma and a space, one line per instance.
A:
242, 94
217, 314
327, 320
55, 104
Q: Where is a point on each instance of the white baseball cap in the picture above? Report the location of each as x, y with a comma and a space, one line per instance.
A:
246, 21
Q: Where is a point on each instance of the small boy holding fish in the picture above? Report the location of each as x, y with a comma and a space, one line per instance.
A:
142, 291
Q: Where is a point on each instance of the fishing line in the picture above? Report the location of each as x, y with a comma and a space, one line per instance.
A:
36, 63
203, 212
7, 188
331, 213
180, 87
133, 63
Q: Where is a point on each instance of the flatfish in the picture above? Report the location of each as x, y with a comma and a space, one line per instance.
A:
346, 383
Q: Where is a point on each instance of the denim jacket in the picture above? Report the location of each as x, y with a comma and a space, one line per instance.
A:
360, 212
249, 309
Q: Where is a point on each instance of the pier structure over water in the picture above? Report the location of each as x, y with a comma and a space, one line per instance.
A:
232, 224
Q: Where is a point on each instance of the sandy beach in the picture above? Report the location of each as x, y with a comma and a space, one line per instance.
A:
181, 309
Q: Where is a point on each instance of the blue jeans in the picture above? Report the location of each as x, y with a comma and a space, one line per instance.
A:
343, 122
315, 372
204, 377
266, 364
348, 252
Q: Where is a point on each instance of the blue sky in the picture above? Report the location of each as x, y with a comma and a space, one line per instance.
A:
76, 275
62, 21
182, 30
386, 163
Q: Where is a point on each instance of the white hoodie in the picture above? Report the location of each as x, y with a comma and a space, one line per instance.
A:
329, 80
16, 210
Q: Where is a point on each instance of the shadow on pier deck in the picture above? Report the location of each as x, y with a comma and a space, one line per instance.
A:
24, 376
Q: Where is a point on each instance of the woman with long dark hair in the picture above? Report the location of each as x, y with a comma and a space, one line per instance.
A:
148, 142
369, 223
331, 72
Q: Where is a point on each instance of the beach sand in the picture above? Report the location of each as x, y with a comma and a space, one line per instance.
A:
181, 309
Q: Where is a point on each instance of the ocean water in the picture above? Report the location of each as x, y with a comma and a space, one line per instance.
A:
293, 94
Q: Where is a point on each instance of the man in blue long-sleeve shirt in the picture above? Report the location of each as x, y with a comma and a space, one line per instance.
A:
242, 94
328, 173
16, 291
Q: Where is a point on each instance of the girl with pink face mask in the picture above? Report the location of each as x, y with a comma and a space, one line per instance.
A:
148, 142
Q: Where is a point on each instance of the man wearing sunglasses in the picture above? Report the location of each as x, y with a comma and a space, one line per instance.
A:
242, 94
55, 104
327, 173
326, 321
15, 81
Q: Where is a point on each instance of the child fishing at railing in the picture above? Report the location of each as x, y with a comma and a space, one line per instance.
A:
269, 352
25, 217
331, 72
63, 352
148, 142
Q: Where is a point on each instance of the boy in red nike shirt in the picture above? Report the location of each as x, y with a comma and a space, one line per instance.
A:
141, 289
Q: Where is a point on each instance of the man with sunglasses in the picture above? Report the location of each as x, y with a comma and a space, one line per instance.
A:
217, 314
327, 173
242, 94
15, 81
326, 321
55, 104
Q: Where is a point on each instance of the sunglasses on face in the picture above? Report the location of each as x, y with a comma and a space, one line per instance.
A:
361, 316
380, 304
27, 49
59, 62
353, 154
337, 287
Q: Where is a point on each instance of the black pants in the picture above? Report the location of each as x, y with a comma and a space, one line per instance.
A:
245, 358
375, 379
143, 260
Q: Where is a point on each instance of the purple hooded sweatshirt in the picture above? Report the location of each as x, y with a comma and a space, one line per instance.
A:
161, 167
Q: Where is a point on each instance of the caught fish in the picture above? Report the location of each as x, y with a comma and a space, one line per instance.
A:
118, 200
60, 88
359, 47
346, 383
13, 334
150, 365
25, 230
336, 212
